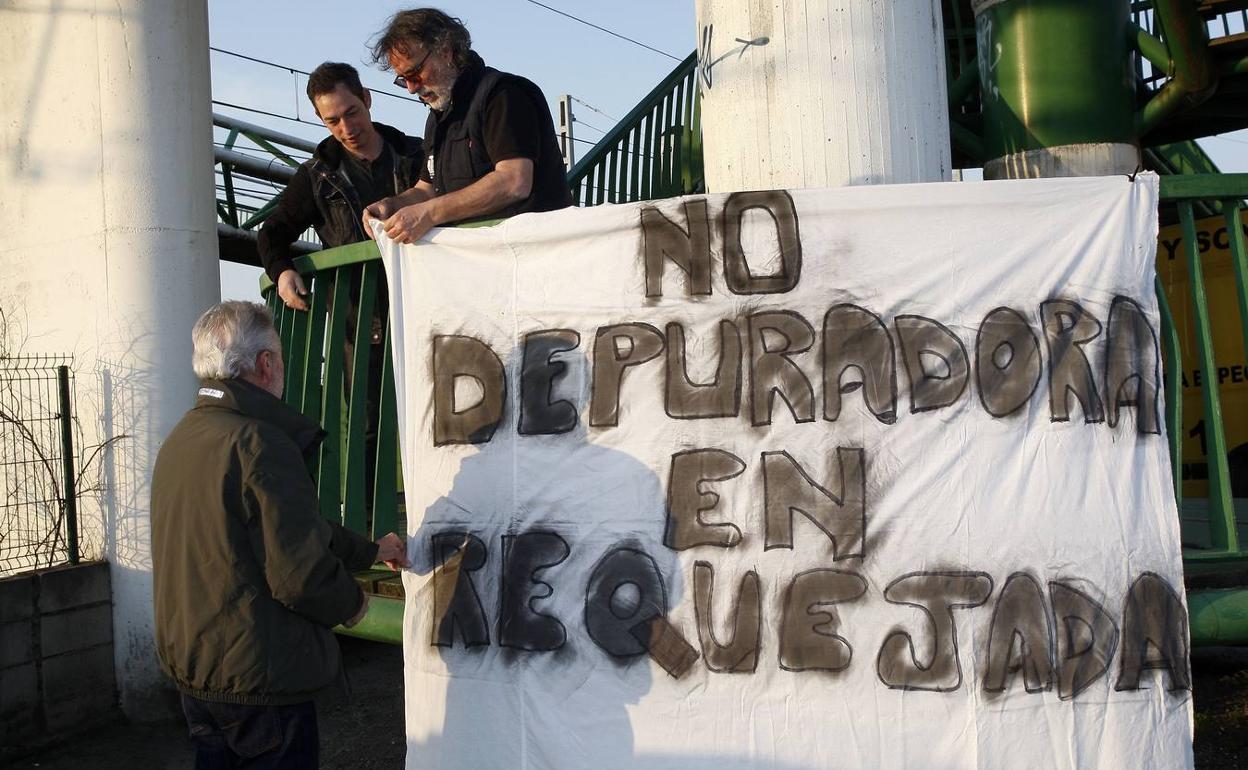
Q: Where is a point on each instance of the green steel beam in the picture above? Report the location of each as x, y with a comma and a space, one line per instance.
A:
382, 623
355, 496
309, 401
1194, 186
967, 141
387, 478
1232, 210
598, 152
1152, 49
1194, 77
962, 87
1183, 158
262, 214
1221, 511
1172, 371
273, 148
956, 7
296, 353
329, 470
1218, 616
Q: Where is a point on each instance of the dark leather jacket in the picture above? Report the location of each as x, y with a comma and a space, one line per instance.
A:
320, 196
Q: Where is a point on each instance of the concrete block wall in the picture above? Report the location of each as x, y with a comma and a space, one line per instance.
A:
56, 653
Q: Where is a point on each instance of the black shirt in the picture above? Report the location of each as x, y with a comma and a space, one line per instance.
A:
372, 180
514, 122
326, 193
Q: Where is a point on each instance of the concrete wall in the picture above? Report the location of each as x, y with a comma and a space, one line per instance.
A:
56, 653
110, 252
822, 93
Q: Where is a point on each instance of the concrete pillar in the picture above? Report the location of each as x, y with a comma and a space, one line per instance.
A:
110, 253
822, 93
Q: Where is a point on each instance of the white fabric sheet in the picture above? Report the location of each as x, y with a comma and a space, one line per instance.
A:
982, 571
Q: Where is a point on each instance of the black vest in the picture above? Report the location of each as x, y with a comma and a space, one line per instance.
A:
455, 140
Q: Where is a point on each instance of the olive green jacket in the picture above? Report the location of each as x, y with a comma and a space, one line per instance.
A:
249, 578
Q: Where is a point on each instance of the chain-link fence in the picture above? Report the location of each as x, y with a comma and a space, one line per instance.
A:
38, 506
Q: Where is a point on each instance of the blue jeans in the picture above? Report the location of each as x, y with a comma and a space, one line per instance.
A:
227, 736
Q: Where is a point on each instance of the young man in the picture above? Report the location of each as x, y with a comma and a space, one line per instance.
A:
489, 135
361, 162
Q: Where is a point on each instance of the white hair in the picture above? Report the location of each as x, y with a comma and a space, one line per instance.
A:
228, 337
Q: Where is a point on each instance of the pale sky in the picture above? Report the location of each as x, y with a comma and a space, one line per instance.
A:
559, 54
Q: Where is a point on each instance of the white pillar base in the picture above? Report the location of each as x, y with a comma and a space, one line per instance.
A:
1101, 159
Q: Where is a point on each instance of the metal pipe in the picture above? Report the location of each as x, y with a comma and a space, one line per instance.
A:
1218, 616
240, 246
382, 623
1152, 49
1234, 67
962, 87
266, 133
69, 490
1194, 78
272, 170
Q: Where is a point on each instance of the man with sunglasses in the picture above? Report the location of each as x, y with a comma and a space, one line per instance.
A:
489, 134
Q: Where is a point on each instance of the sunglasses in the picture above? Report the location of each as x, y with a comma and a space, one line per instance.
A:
402, 80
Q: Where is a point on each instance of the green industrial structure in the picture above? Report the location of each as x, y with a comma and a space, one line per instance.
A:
1035, 88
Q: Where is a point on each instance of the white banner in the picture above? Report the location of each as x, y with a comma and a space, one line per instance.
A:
863, 478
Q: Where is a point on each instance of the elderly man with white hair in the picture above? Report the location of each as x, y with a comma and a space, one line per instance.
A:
249, 578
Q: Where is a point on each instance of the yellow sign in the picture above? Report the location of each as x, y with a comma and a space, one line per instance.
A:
1213, 244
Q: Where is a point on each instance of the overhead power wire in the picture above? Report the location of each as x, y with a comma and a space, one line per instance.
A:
266, 112
587, 105
319, 125
604, 29
294, 70
589, 125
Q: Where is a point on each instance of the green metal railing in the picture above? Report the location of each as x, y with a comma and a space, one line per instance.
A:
343, 282
1215, 571
654, 152
1223, 193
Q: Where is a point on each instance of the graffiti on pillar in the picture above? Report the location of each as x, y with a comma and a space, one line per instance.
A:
987, 61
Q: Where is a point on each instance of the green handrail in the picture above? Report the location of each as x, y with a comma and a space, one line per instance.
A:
1224, 191
343, 285
655, 151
